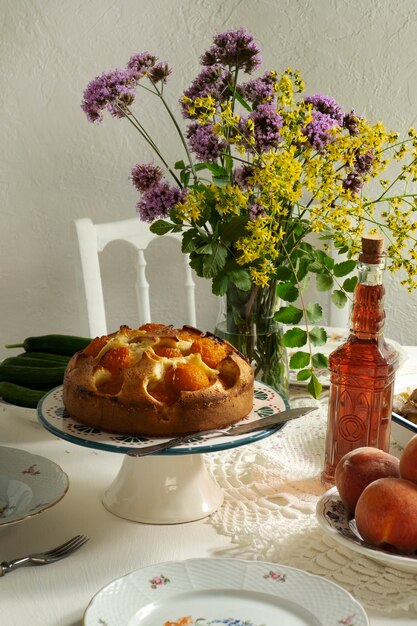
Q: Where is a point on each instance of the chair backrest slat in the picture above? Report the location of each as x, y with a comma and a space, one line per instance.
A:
92, 239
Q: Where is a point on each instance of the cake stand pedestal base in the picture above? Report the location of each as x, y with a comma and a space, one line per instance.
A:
163, 490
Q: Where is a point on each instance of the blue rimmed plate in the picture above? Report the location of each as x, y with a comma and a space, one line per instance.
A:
55, 419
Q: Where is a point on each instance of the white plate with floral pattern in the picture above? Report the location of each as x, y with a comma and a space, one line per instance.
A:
336, 522
232, 592
335, 338
29, 484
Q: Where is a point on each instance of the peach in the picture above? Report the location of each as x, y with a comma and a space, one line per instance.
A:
386, 513
408, 460
211, 353
358, 468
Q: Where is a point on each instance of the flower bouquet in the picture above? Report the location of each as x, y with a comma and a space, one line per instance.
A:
265, 171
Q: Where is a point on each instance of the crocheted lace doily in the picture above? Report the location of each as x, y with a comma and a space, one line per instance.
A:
271, 490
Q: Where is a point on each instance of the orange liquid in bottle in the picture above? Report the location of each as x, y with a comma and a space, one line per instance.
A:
362, 373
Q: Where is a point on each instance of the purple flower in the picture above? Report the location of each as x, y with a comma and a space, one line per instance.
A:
241, 176
256, 210
327, 114
353, 182
259, 89
363, 162
267, 123
327, 106
317, 131
212, 81
145, 175
362, 165
204, 143
140, 63
234, 48
157, 200
113, 91
159, 73
350, 122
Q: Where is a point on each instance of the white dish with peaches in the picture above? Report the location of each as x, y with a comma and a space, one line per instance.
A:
373, 507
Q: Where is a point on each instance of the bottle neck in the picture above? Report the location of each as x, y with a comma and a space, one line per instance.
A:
371, 273
368, 315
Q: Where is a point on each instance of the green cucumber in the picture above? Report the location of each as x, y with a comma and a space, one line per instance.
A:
20, 396
33, 377
44, 356
29, 362
53, 344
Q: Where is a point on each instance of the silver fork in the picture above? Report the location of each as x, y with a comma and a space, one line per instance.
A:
43, 558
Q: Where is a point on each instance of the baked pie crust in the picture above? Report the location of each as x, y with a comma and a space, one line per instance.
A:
158, 381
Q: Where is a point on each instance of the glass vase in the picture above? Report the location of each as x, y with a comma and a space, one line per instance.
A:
246, 320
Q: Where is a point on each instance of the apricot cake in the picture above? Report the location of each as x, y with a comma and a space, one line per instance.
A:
158, 381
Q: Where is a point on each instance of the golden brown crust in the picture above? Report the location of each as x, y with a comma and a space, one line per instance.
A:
128, 399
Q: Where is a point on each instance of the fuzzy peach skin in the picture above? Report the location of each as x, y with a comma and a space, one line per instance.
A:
358, 468
386, 513
408, 460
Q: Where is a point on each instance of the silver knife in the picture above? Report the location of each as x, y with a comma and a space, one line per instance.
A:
240, 429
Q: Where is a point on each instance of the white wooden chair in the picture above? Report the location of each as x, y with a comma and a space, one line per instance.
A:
92, 239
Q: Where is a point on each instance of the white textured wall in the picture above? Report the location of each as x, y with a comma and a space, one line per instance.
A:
56, 167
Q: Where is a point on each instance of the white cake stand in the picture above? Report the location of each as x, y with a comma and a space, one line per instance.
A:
169, 487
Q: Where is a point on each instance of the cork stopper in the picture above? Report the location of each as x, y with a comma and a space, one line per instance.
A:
372, 249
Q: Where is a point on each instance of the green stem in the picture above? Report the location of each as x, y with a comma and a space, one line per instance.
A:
381, 197
138, 126
181, 136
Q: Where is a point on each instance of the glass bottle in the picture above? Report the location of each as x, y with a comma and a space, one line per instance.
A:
362, 370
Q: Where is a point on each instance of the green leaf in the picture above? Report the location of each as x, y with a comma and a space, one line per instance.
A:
317, 336
342, 249
234, 228
324, 282
303, 268
241, 100
314, 313
188, 244
179, 165
314, 387
341, 269
185, 177
196, 263
304, 374
228, 163
161, 227
339, 298
295, 338
221, 181
288, 315
283, 273
241, 279
315, 267
205, 248
287, 292
299, 360
325, 259
215, 169
219, 284
212, 264
319, 360
350, 283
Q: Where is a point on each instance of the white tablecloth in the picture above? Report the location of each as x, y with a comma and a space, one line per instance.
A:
57, 595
